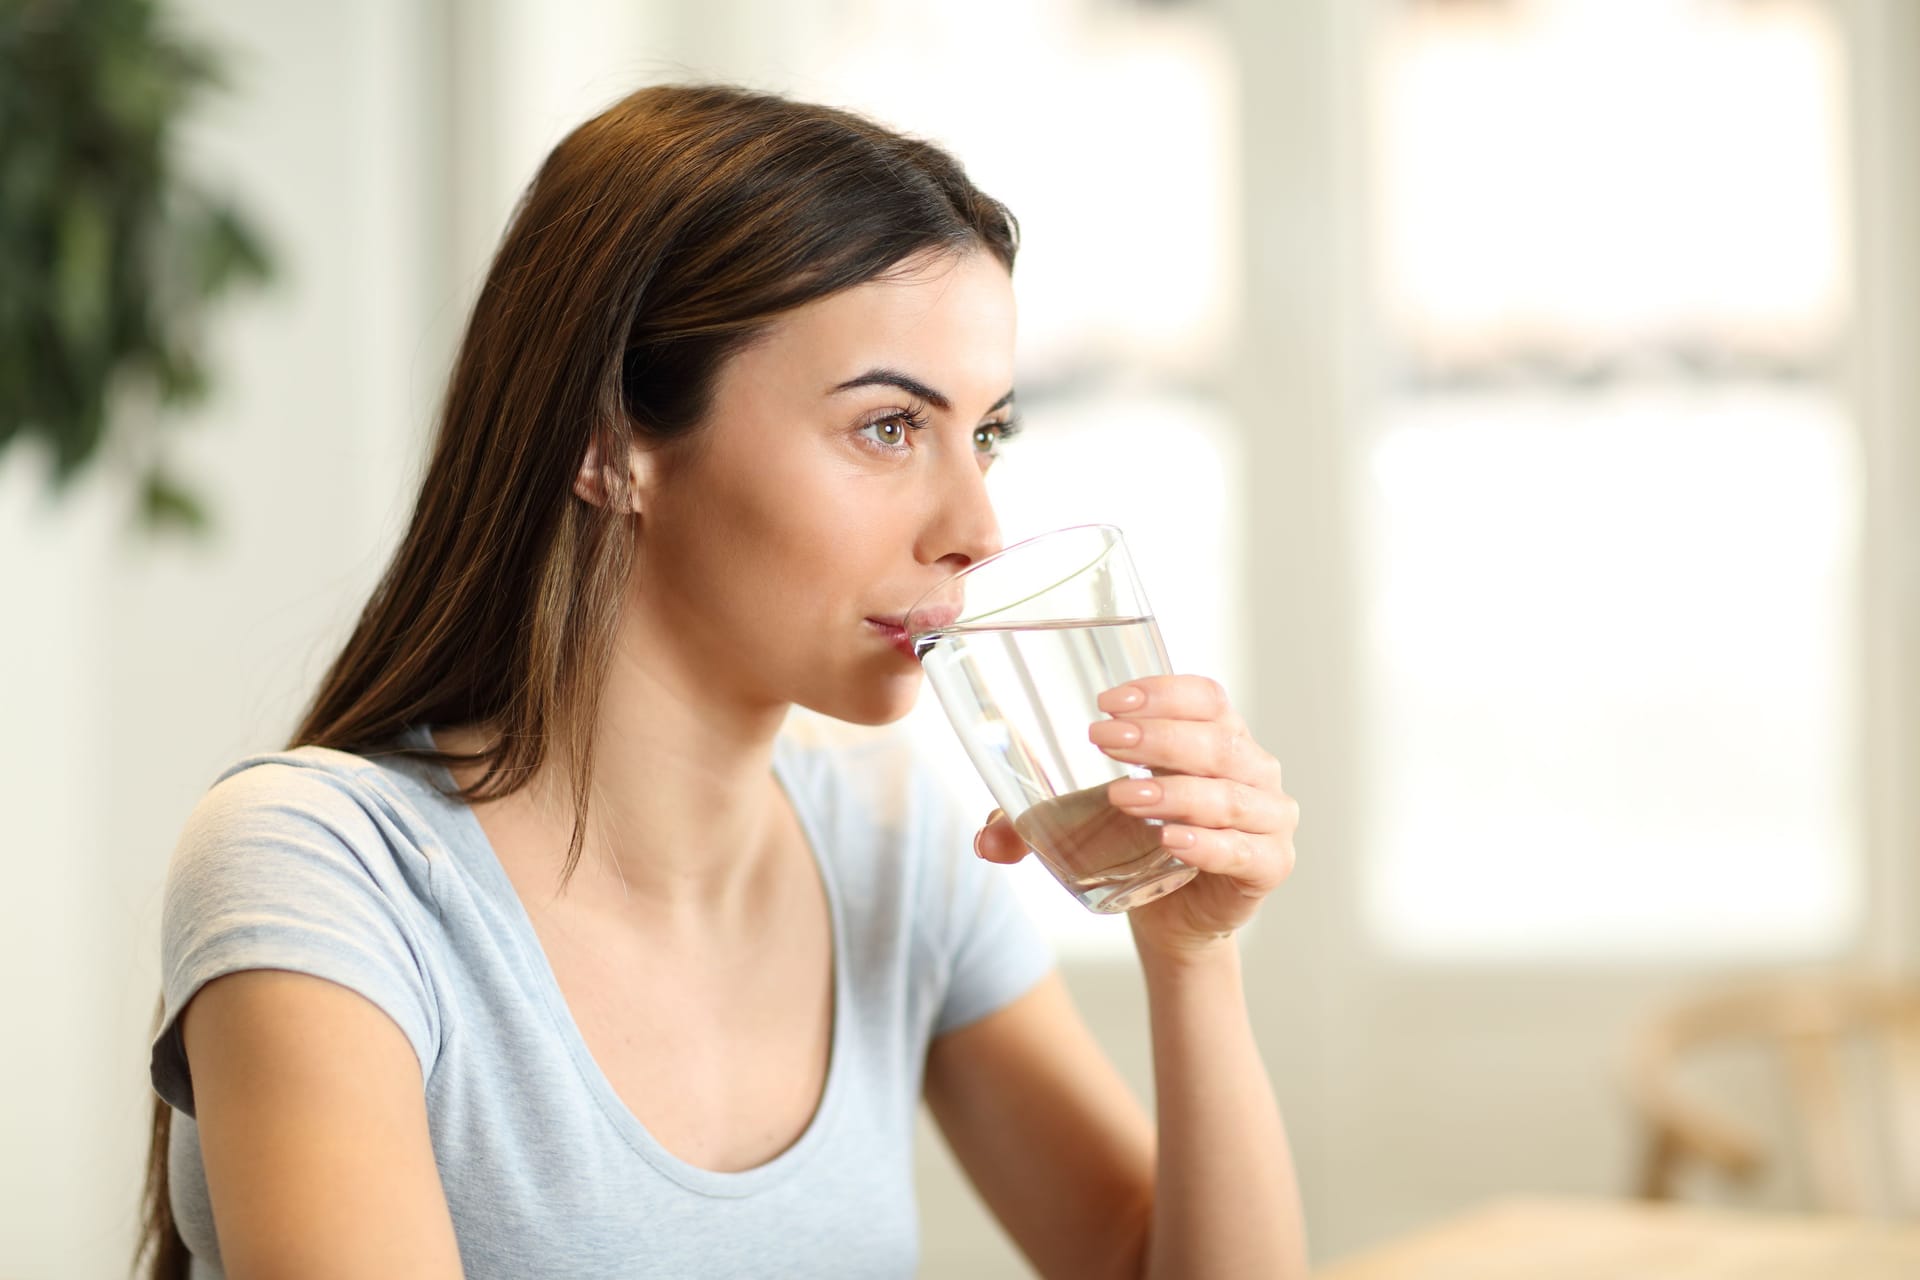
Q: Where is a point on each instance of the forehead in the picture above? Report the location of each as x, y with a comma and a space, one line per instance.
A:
951, 318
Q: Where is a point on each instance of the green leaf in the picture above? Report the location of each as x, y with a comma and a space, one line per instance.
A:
164, 504
230, 252
108, 254
83, 251
181, 378
75, 436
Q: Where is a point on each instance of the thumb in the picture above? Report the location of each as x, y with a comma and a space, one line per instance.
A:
997, 841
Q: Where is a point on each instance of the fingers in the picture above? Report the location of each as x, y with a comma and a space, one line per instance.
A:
1256, 864
1175, 697
1258, 855
1206, 802
1209, 748
997, 841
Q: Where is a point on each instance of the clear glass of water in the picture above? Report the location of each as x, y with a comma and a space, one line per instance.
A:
1017, 647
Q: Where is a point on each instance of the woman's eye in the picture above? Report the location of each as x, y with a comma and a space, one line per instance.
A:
890, 434
893, 431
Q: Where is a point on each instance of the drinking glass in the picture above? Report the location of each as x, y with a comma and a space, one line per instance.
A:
1017, 647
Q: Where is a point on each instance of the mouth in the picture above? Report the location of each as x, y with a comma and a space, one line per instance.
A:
931, 618
893, 633
893, 626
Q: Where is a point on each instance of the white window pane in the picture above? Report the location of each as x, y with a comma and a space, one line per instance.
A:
1596, 173
1110, 134
1611, 710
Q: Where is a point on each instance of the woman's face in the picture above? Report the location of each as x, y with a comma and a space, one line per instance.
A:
820, 497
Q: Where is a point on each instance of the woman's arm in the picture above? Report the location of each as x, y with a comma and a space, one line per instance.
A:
1064, 1156
1049, 1134
313, 1132
1225, 1201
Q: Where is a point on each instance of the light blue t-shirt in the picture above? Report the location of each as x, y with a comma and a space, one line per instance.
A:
360, 870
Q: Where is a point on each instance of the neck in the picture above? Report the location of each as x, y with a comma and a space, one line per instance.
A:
685, 819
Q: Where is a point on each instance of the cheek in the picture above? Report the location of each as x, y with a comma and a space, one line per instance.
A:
790, 536
833, 555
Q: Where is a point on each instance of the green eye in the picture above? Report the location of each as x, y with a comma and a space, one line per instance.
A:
990, 436
893, 432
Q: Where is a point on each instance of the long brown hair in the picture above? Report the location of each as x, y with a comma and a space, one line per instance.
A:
657, 239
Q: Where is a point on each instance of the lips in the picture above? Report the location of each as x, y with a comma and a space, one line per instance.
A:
931, 618
894, 636
893, 628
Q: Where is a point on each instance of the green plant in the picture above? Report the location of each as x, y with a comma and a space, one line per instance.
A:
109, 255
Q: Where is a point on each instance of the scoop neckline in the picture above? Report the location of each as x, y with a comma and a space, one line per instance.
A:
492, 874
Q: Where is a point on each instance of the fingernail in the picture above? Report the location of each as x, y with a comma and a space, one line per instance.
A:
994, 817
1113, 733
1125, 698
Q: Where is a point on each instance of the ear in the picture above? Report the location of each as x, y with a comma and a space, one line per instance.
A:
596, 483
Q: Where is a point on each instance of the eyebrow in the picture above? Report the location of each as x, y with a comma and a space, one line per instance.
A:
894, 378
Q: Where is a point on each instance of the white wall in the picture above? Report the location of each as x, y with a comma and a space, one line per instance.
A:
57, 1076
133, 671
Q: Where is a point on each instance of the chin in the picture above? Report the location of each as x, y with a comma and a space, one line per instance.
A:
876, 702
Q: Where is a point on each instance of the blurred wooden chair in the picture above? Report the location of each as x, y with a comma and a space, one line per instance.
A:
1817, 1029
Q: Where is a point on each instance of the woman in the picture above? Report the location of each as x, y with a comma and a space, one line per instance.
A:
542, 949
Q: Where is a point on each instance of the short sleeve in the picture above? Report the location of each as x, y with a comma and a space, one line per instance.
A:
282, 866
992, 951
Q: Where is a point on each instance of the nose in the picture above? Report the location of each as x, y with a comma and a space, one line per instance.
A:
964, 527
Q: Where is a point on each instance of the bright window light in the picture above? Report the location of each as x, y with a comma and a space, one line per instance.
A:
1611, 710
1583, 172
1111, 135
1611, 503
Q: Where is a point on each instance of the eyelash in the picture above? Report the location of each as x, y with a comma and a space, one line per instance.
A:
915, 419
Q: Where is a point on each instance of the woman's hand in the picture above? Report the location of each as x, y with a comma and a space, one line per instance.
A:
1219, 796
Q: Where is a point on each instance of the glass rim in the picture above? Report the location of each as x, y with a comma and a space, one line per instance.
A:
1116, 539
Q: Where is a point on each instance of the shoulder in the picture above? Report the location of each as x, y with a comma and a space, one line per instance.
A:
299, 777
310, 861
285, 816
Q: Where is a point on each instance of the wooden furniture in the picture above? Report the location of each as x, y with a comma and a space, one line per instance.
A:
1571, 1239
1847, 1051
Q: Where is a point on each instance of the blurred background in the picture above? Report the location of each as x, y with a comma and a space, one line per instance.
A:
1512, 401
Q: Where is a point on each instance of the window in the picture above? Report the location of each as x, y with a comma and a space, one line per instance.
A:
1612, 496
